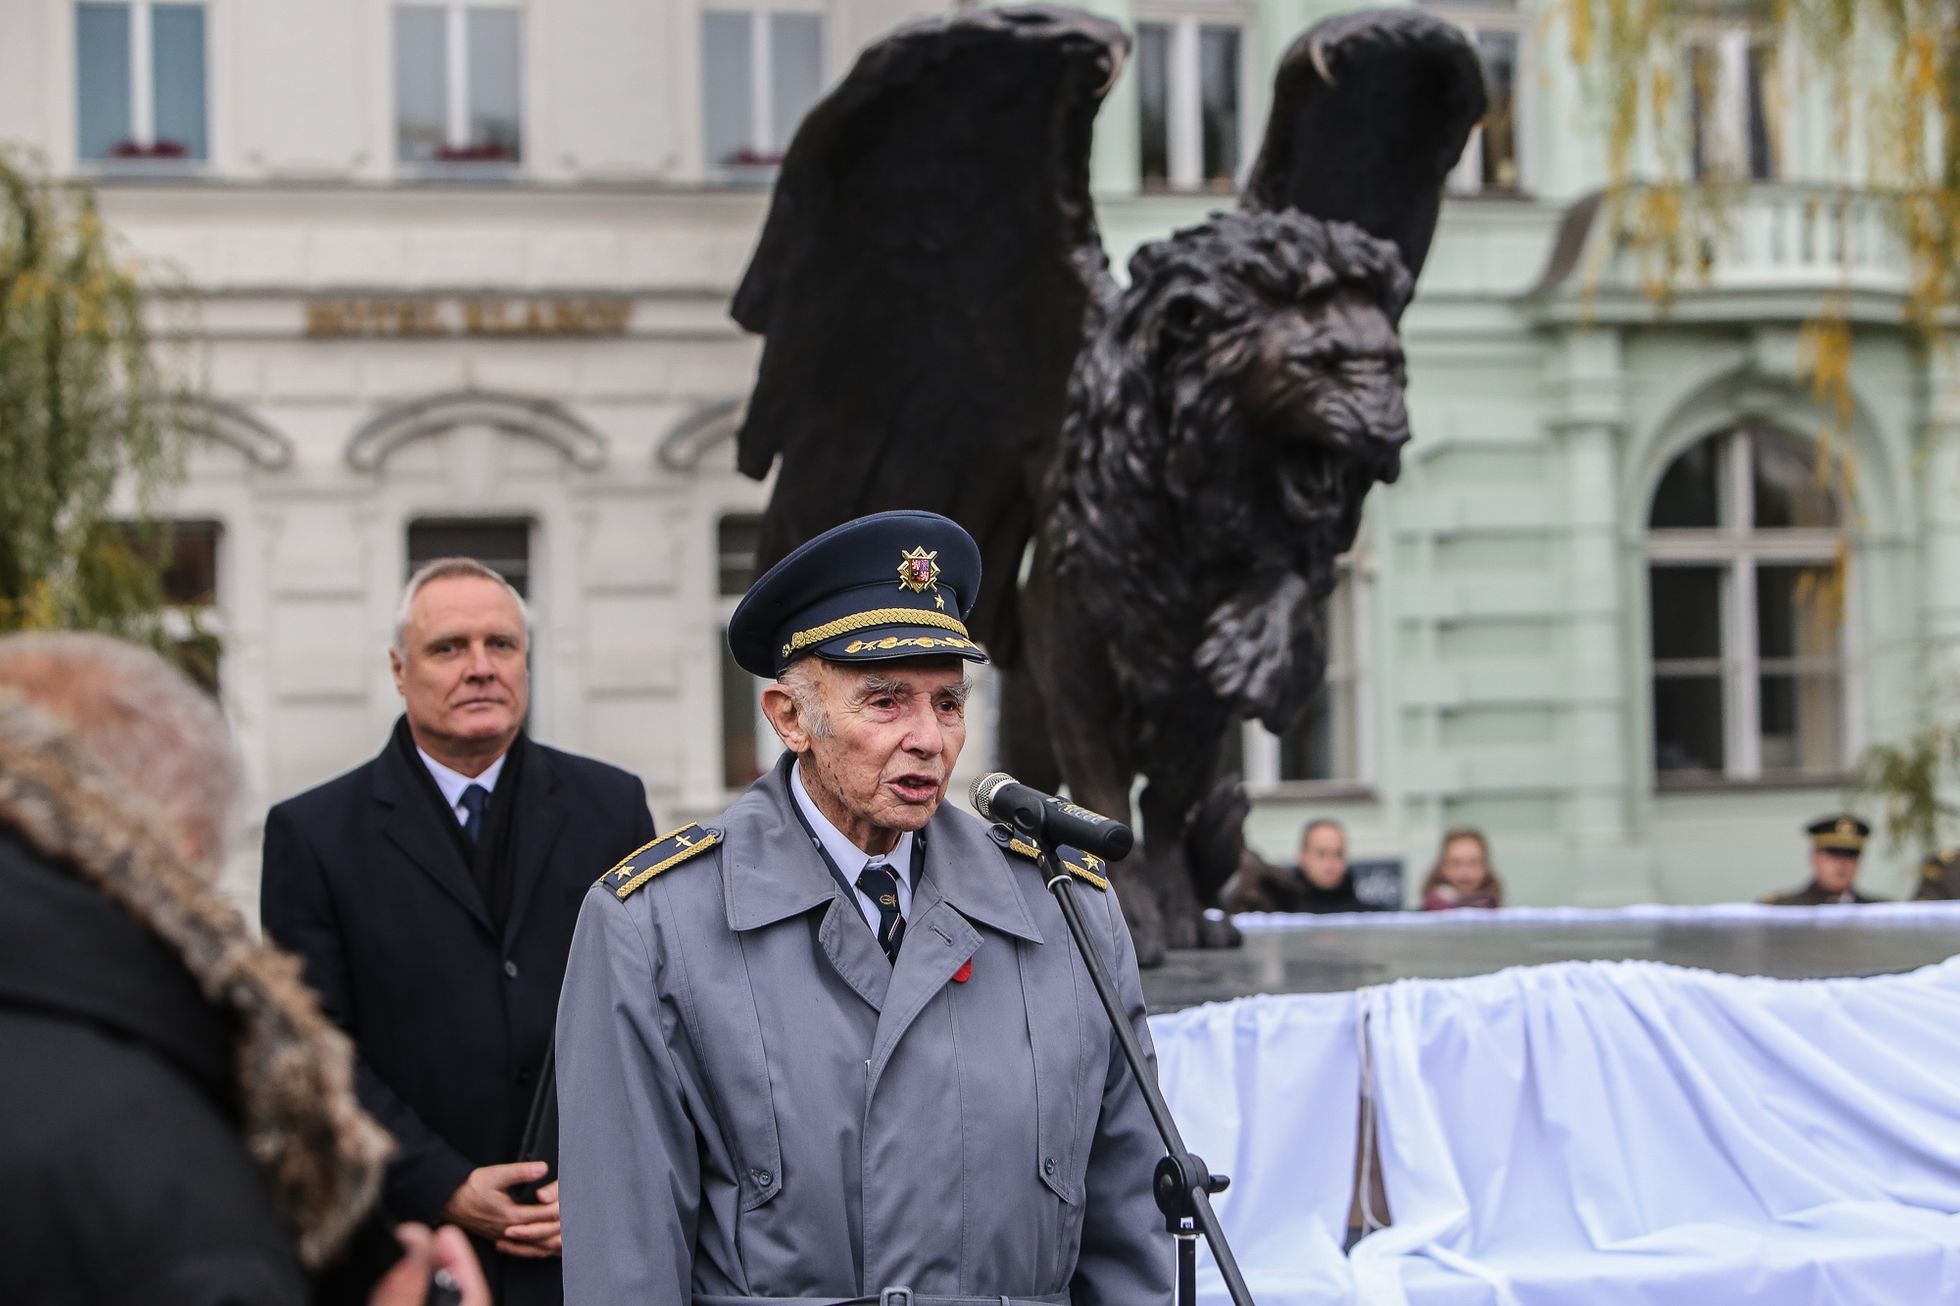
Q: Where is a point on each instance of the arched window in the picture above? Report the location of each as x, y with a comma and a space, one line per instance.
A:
1745, 582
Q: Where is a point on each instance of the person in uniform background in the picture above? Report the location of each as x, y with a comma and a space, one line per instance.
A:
1462, 875
1939, 877
432, 893
178, 1122
838, 1041
1836, 843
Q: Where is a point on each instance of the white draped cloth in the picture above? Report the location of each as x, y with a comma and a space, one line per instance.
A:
1598, 1132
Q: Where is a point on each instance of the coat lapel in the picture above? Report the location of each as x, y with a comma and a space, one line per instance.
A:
938, 941
538, 816
771, 871
409, 821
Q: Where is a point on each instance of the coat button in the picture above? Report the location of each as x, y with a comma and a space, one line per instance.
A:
762, 1178
1048, 1166
510, 968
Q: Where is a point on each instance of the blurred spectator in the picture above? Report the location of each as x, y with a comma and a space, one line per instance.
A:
1836, 844
1320, 881
1462, 876
177, 1119
178, 1124
1326, 884
1939, 877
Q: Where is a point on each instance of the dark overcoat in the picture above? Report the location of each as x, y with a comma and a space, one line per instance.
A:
756, 1105
451, 1018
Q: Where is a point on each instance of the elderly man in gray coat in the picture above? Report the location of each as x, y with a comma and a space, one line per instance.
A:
837, 1043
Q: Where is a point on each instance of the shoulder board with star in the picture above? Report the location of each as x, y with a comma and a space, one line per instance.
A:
638, 868
1086, 867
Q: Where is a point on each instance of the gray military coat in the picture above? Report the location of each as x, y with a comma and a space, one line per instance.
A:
755, 1105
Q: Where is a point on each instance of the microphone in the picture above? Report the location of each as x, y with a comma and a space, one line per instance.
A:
998, 796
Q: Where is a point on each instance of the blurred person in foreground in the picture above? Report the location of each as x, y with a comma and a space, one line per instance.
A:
1462, 876
431, 893
1836, 845
178, 1124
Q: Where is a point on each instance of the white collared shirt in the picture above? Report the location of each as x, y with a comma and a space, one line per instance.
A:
852, 859
453, 783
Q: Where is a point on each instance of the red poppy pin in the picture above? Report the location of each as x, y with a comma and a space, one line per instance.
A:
964, 973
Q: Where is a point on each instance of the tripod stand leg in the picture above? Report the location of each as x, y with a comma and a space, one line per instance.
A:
1187, 1268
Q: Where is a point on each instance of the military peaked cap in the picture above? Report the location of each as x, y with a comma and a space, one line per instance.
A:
1843, 833
891, 585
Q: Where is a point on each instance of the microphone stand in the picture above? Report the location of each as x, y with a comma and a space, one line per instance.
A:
1183, 1184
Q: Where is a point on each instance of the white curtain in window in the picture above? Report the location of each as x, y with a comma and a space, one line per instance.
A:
1627, 1132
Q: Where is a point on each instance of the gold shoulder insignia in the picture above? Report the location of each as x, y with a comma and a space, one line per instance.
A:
1089, 868
668, 851
1084, 866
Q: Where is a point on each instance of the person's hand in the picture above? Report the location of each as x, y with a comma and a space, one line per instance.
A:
483, 1206
423, 1253
539, 1237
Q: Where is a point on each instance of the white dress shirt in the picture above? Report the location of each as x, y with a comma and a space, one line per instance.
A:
453, 783
852, 859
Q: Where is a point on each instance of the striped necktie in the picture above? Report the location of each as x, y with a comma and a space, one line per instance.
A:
879, 882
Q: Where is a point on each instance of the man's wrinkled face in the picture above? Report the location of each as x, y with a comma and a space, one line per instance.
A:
461, 672
1323, 856
1833, 871
877, 741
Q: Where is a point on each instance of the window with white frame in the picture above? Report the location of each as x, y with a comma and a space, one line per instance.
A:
140, 81
1737, 106
761, 71
1329, 745
459, 91
1746, 603
1492, 157
1191, 100
748, 743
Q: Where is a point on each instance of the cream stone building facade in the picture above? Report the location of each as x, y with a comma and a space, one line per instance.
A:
463, 274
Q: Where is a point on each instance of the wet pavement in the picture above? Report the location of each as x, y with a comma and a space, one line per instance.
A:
1330, 959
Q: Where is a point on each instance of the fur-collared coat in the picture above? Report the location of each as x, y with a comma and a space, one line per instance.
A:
177, 1120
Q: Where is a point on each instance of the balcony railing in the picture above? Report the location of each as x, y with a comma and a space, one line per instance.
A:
1759, 238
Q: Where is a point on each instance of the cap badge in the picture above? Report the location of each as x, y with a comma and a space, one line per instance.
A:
917, 570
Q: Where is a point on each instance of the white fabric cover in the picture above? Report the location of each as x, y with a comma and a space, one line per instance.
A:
1907, 915
1598, 1132
1267, 1090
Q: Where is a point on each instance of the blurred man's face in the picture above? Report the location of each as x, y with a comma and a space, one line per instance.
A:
1323, 856
1833, 871
461, 673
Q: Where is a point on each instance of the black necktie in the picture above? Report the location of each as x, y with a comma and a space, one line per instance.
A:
879, 882
472, 803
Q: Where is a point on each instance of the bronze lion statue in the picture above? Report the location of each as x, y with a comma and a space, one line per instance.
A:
1241, 397
1187, 455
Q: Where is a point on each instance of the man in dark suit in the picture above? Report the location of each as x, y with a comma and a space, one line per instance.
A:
431, 894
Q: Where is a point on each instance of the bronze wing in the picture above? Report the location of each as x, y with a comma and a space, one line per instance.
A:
1370, 113
921, 281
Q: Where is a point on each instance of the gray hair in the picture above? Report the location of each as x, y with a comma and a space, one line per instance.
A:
444, 569
144, 724
801, 680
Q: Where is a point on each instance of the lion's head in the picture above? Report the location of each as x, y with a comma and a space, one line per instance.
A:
1242, 397
1278, 365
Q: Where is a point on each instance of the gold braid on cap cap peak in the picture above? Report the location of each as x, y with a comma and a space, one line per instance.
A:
803, 639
